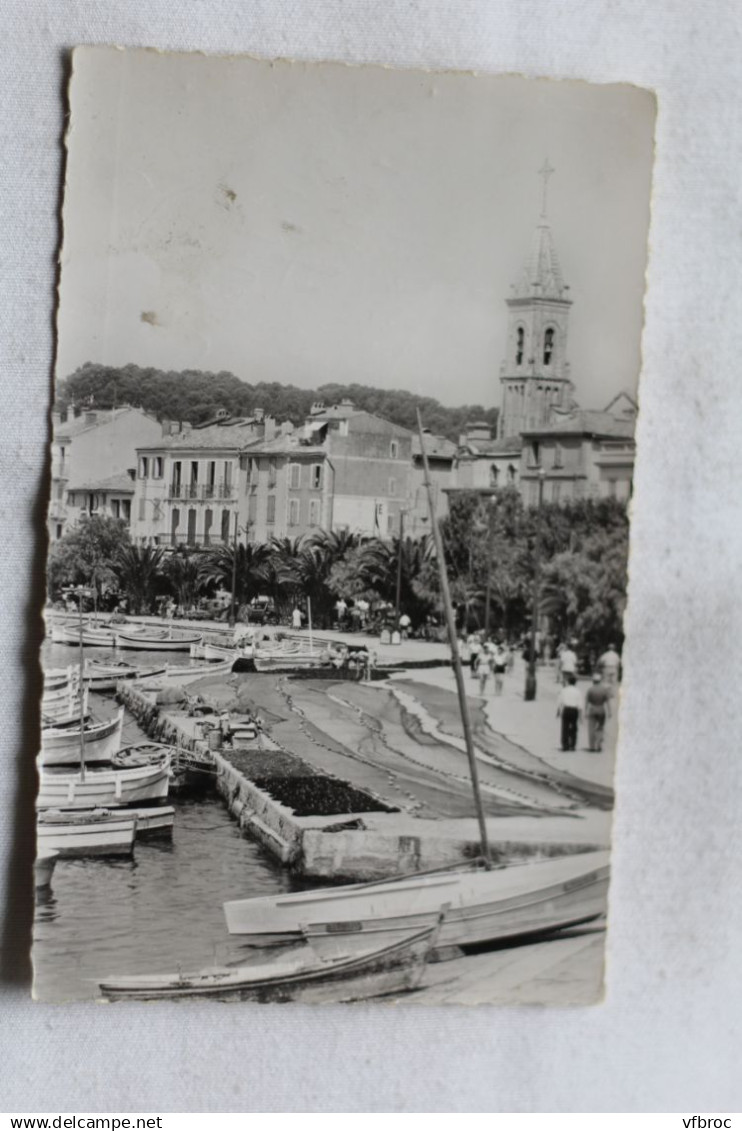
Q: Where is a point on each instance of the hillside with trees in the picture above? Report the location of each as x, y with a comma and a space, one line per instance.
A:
195, 396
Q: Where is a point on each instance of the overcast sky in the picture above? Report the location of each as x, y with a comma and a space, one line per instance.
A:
308, 223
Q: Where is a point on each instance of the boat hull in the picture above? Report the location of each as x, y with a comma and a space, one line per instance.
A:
155, 822
484, 906
288, 662
104, 787
194, 672
43, 868
101, 741
146, 643
112, 835
376, 973
91, 637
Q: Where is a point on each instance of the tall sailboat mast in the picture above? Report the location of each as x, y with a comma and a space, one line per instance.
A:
455, 655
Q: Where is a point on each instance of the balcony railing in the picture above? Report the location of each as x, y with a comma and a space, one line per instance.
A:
202, 493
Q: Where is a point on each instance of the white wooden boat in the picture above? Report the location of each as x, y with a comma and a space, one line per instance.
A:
304, 977
157, 640
92, 636
56, 679
61, 692
157, 821
105, 676
485, 906
60, 746
86, 832
64, 713
190, 673
43, 868
288, 658
225, 652
63, 789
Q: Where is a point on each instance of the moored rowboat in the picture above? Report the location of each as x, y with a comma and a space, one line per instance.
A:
284, 660
104, 676
86, 832
377, 972
91, 636
60, 746
126, 785
485, 906
153, 822
43, 867
157, 641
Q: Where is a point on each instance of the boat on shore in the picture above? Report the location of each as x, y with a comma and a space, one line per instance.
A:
288, 659
86, 832
485, 905
126, 782
303, 977
95, 742
157, 640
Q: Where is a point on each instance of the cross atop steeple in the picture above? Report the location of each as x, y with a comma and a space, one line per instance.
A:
545, 171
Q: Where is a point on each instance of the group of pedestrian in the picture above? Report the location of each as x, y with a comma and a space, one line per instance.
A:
488, 658
596, 707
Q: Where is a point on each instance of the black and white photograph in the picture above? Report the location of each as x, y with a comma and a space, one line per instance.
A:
342, 458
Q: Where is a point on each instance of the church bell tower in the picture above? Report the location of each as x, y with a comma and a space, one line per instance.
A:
535, 373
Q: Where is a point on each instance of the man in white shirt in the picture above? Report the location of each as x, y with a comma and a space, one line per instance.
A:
569, 707
568, 664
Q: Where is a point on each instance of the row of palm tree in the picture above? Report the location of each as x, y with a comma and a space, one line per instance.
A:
318, 568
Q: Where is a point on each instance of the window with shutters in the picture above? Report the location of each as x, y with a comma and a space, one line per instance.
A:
314, 512
316, 476
295, 476
294, 510
270, 515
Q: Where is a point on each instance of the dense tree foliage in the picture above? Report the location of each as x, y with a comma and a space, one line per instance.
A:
87, 555
491, 546
196, 396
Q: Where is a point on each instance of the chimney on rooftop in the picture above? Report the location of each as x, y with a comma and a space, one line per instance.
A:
259, 414
269, 424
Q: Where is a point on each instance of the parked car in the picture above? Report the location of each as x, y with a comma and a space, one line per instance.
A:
261, 610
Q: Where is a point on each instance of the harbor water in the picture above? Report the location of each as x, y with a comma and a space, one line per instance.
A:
158, 911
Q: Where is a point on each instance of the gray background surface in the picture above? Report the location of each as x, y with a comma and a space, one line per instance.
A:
667, 1035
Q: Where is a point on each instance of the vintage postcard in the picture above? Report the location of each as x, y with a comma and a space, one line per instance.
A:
342, 460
